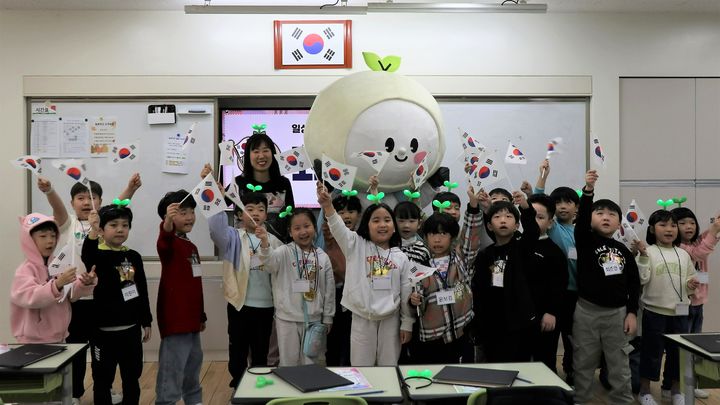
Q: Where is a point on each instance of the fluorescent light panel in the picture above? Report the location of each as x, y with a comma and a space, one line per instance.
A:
373, 8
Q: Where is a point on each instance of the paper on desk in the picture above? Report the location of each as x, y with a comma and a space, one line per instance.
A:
352, 374
464, 389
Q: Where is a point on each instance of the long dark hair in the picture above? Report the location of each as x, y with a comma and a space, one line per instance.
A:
660, 216
363, 229
685, 213
254, 142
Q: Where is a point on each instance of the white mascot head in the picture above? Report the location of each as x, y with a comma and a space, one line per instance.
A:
377, 111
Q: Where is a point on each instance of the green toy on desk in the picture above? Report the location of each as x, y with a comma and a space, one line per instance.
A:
262, 381
424, 373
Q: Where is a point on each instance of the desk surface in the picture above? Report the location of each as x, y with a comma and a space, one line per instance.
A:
692, 347
538, 373
380, 378
50, 364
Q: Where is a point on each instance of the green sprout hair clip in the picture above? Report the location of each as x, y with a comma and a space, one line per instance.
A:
287, 212
417, 373
679, 200
262, 382
579, 192
252, 188
411, 195
121, 203
349, 193
441, 206
449, 185
665, 203
259, 128
376, 198
389, 63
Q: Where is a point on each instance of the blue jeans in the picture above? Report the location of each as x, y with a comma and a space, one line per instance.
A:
179, 366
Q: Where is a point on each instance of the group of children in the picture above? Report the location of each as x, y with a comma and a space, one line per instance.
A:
353, 294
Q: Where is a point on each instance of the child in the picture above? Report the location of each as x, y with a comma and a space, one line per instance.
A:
75, 227
120, 305
408, 215
338, 344
548, 281
455, 206
500, 194
38, 311
377, 287
303, 287
247, 288
180, 309
563, 234
667, 274
608, 291
506, 317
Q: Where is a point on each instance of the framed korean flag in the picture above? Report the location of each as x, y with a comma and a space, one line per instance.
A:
322, 44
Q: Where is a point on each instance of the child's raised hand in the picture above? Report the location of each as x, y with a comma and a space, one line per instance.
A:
484, 200
89, 278
415, 298
94, 220
66, 277
591, 177
526, 187
545, 169
44, 185
638, 246
207, 169
323, 195
373, 181
520, 199
261, 233
715, 224
134, 183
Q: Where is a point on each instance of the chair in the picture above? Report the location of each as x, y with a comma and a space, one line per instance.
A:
325, 400
532, 395
478, 397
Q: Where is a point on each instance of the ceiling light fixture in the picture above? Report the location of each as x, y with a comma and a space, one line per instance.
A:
373, 7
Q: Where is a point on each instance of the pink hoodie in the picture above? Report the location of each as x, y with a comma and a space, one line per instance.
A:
699, 252
36, 316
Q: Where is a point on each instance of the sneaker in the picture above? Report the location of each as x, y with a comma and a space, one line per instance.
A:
76, 401
678, 399
116, 397
666, 395
647, 399
702, 394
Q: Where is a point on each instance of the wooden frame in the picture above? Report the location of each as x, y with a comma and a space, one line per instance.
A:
313, 44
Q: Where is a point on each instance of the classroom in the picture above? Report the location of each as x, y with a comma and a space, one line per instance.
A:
648, 72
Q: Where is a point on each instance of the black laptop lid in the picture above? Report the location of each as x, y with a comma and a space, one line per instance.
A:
310, 377
710, 342
478, 377
24, 355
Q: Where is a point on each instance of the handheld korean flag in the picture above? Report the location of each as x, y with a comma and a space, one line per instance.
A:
339, 175
376, 159
293, 160
636, 218
626, 234
189, 137
208, 197
66, 258
227, 153
73, 168
552, 147
486, 172
471, 146
124, 153
29, 162
597, 153
421, 172
514, 155
418, 272
234, 195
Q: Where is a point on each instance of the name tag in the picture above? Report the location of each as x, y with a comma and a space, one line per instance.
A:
703, 277
130, 292
572, 253
255, 262
497, 279
612, 268
381, 283
682, 309
301, 286
445, 297
197, 270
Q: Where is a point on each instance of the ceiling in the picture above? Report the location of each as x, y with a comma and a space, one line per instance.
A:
554, 6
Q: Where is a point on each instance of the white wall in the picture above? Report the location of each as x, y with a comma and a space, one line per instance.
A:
157, 43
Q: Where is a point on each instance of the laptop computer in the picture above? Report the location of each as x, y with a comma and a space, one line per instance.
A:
475, 377
310, 377
25, 355
708, 341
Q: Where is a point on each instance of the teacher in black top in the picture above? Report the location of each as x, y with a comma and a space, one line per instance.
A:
260, 168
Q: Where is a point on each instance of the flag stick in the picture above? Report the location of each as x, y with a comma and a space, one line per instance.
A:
92, 200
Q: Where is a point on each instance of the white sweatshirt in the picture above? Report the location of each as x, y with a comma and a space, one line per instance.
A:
282, 264
663, 291
359, 296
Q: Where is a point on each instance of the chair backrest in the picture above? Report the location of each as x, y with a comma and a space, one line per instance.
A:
478, 397
325, 400
531, 395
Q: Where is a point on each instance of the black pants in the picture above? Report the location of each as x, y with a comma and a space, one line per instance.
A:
112, 349
503, 346
80, 330
438, 352
545, 348
565, 323
338, 341
248, 332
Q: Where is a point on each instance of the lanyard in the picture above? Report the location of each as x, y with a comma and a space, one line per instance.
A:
668, 272
252, 248
384, 262
447, 272
302, 266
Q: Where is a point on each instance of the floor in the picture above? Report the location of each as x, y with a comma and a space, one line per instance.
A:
215, 378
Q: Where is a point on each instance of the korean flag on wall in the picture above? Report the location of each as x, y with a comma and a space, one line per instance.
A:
124, 153
293, 160
208, 197
312, 43
486, 171
31, 163
337, 174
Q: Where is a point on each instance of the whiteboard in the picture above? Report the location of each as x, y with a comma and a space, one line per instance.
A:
529, 124
132, 125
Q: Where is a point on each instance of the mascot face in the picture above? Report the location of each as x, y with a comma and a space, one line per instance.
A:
400, 128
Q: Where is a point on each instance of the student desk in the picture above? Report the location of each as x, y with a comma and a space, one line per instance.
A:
43, 379
538, 373
380, 378
695, 360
